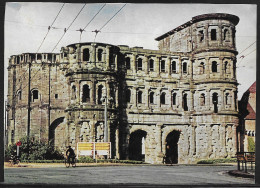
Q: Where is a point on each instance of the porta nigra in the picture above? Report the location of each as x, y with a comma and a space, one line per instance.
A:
179, 101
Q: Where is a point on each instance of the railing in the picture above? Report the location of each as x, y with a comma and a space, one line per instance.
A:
244, 158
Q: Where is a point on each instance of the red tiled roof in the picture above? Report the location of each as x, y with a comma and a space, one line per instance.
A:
252, 88
251, 111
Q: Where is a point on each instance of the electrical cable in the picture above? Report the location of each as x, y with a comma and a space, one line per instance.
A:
65, 30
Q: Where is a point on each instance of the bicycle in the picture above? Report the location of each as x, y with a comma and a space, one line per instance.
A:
14, 160
71, 162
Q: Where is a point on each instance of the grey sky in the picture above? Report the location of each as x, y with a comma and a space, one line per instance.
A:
135, 25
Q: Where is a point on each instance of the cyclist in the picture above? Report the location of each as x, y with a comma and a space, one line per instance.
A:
70, 154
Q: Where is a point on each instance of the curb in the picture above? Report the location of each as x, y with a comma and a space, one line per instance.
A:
238, 173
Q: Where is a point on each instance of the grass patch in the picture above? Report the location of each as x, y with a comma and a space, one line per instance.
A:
216, 161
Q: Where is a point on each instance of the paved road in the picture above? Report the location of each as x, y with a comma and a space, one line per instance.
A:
139, 175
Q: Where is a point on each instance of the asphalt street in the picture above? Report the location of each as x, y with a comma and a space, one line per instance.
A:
140, 175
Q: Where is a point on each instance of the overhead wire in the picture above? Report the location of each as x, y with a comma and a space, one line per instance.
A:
65, 30
45, 36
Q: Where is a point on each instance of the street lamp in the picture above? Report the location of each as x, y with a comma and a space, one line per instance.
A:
104, 99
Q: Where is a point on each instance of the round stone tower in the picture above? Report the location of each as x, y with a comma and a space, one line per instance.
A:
91, 72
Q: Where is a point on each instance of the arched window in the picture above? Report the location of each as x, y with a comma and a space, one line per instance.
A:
202, 99
162, 98
139, 96
226, 67
151, 65
140, 64
100, 94
184, 68
215, 102
19, 95
174, 67
174, 98
202, 68
86, 93
86, 54
100, 51
39, 56
185, 102
213, 34
74, 92
162, 66
35, 95
225, 34
151, 98
201, 35
214, 66
128, 95
18, 59
128, 63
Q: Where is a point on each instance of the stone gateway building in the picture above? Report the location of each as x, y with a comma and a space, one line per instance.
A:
179, 101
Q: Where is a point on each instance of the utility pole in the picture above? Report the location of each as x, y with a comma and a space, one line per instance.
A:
104, 99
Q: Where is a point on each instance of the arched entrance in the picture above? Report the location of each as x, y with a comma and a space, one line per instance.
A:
137, 145
172, 147
57, 133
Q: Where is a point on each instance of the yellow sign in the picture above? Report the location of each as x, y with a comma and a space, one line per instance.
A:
85, 146
102, 146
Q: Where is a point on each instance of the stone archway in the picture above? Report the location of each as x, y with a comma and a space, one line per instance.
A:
137, 145
172, 140
57, 133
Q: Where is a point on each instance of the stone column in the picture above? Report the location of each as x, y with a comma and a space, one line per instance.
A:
179, 66
107, 57
78, 92
220, 34
168, 65
192, 100
133, 63
207, 68
179, 100
232, 69
146, 64
134, 96
156, 65
191, 68
207, 34
93, 55
115, 62
117, 143
222, 66
234, 139
222, 99
146, 97
208, 102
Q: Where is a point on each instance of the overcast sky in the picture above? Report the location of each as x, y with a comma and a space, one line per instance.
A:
26, 24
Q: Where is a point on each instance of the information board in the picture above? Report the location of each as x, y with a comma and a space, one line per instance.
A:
93, 149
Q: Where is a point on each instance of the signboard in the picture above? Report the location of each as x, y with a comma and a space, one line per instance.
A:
93, 149
18, 143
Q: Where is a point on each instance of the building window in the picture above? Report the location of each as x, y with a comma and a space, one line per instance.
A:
174, 98
18, 60
226, 67
56, 96
184, 68
225, 35
35, 95
213, 34
185, 102
128, 63
86, 94
86, 54
128, 95
151, 98
174, 67
139, 64
73, 92
202, 99
162, 98
162, 66
201, 35
202, 68
100, 94
215, 102
19, 95
227, 98
214, 66
100, 51
139, 96
39, 56
151, 65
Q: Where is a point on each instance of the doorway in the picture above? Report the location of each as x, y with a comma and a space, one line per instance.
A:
137, 145
172, 147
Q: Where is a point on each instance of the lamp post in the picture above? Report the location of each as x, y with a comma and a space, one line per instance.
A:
104, 99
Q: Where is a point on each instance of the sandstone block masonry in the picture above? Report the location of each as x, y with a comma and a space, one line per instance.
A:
177, 104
